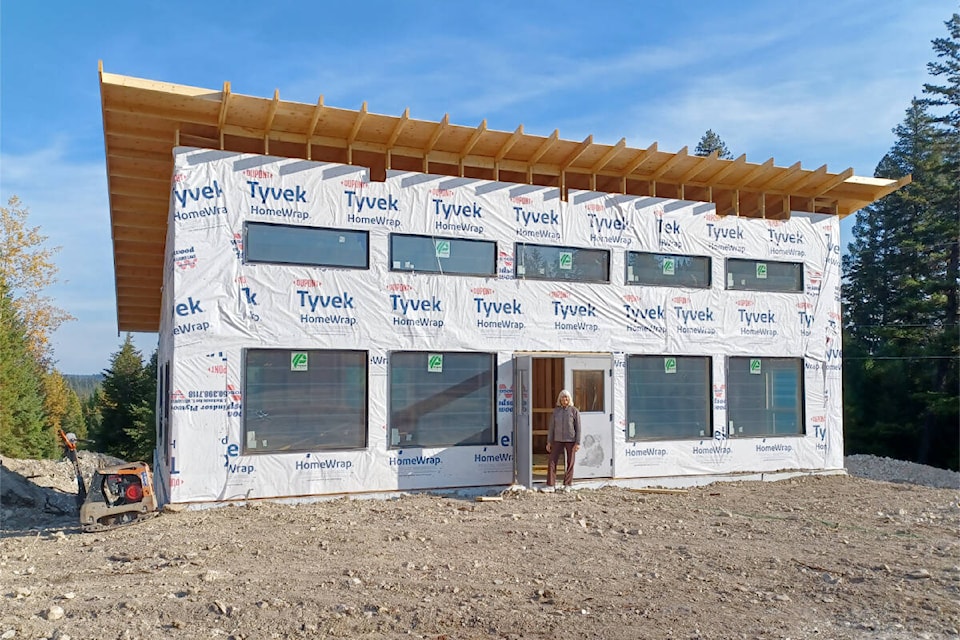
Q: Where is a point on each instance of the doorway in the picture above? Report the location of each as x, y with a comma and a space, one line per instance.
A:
539, 380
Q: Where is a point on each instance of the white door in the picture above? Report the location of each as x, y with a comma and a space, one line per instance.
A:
522, 422
589, 379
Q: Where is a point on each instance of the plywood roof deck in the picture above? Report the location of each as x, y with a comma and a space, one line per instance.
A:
143, 120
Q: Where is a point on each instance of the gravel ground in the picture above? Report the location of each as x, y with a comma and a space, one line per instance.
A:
814, 557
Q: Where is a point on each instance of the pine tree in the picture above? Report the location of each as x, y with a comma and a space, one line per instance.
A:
125, 405
711, 142
23, 431
900, 331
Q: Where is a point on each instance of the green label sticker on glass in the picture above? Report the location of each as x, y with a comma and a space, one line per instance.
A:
442, 247
669, 266
298, 361
566, 260
435, 363
669, 365
755, 366
761, 271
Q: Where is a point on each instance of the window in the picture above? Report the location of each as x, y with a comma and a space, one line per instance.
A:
668, 397
282, 244
666, 270
304, 400
763, 275
540, 262
442, 399
765, 396
588, 390
430, 254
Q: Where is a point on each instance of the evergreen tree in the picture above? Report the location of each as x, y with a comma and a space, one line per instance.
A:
900, 320
711, 142
23, 430
125, 404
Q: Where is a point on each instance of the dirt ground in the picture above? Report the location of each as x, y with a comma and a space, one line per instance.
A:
811, 557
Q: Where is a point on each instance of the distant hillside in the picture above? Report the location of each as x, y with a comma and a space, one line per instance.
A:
83, 386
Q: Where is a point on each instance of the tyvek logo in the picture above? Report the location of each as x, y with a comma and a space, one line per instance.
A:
785, 242
691, 320
203, 198
372, 210
805, 314
756, 323
326, 311
537, 223
833, 319
725, 237
188, 310
494, 314
644, 318
420, 308
457, 217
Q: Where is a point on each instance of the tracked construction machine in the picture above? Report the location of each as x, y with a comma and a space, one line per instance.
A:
118, 495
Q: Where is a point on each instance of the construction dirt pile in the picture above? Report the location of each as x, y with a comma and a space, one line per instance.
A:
811, 557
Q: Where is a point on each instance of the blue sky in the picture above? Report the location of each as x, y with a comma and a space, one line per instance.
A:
820, 82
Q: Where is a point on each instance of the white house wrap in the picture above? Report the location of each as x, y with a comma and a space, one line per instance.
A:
284, 378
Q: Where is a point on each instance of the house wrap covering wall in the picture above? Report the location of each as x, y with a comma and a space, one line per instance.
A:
219, 305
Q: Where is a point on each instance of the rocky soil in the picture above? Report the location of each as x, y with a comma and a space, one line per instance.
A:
812, 557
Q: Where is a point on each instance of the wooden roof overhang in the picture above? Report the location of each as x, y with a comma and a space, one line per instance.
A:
143, 120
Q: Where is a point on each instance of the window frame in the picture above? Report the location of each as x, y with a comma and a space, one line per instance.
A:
364, 413
727, 275
770, 393
363, 233
440, 271
707, 399
420, 443
525, 276
640, 283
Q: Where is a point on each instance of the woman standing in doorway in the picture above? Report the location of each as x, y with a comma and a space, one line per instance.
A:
563, 436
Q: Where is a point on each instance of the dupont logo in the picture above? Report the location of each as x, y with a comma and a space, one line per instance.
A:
559, 294
257, 173
234, 393
441, 193
505, 391
521, 200
774, 223
744, 303
681, 300
594, 207
177, 395
814, 277
631, 298
803, 306
353, 184
481, 291
658, 211
711, 217
818, 419
306, 282
178, 177
399, 287
833, 315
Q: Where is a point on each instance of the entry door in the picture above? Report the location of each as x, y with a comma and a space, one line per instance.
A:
522, 422
588, 379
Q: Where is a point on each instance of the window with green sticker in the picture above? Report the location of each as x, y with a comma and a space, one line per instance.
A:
447, 256
765, 396
668, 397
304, 400
441, 399
764, 275
543, 262
667, 270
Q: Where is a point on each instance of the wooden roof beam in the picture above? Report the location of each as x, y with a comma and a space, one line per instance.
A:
472, 142
512, 140
436, 134
639, 159
274, 105
398, 128
579, 151
780, 177
608, 156
224, 105
671, 161
836, 180
689, 175
355, 129
753, 173
717, 178
543, 148
793, 186
315, 118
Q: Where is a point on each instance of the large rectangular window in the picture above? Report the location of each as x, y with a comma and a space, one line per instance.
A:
284, 244
440, 399
668, 397
541, 262
765, 396
451, 256
764, 275
304, 400
668, 270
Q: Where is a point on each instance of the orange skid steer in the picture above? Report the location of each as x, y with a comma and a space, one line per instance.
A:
118, 495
